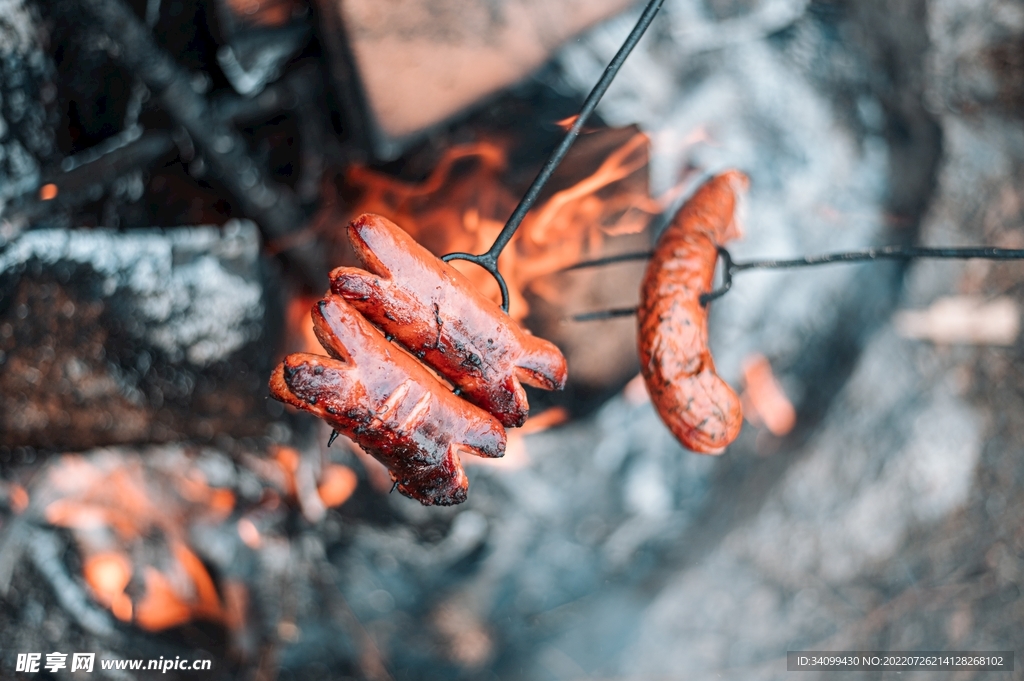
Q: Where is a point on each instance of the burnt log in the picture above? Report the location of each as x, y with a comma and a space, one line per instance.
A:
136, 337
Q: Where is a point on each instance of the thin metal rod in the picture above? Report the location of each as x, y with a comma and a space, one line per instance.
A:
608, 260
866, 254
604, 314
881, 253
489, 260
574, 130
886, 253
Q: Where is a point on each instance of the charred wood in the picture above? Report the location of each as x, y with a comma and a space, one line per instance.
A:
111, 338
273, 206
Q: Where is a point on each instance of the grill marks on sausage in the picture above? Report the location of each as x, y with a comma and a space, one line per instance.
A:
432, 310
394, 400
440, 325
385, 400
700, 409
388, 403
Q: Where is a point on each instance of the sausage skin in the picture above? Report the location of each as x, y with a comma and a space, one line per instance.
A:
388, 404
435, 312
700, 409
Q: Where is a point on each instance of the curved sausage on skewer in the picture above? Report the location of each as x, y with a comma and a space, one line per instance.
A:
700, 409
435, 312
388, 404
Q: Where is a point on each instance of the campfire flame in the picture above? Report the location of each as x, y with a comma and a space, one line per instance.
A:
131, 513
463, 204
118, 509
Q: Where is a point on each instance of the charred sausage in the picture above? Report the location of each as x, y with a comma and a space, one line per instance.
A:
390, 405
435, 312
700, 409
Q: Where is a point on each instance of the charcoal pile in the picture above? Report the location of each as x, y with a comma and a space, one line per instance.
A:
175, 181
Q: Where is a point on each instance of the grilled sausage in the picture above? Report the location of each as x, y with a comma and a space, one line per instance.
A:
700, 409
376, 394
435, 312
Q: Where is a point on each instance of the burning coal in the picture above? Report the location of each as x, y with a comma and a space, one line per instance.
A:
134, 518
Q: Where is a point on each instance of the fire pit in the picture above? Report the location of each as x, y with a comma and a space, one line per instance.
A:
175, 178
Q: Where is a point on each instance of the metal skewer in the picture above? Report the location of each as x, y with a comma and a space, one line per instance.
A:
489, 260
732, 267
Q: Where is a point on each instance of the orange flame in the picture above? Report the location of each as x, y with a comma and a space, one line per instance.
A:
107, 574
764, 401
567, 122
337, 483
463, 204
161, 607
113, 503
18, 498
299, 323
173, 599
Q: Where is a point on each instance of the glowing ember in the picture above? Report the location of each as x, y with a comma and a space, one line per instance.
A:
122, 607
764, 401
107, 574
337, 483
287, 459
566, 123
48, 192
264, 12
249, 533
117, 506
131, 517
161, 607
18, 498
